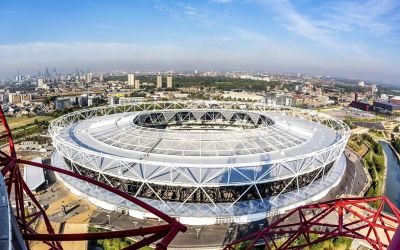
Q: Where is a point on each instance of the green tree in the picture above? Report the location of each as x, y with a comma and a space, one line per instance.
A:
46, 101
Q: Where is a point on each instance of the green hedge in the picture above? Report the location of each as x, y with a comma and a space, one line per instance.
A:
374, 161
110, 244
396, 144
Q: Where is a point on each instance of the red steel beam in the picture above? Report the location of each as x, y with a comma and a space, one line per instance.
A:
124, 195
99, 235
164, 234
370, 219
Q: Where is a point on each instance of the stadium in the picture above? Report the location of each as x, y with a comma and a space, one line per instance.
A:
202, 162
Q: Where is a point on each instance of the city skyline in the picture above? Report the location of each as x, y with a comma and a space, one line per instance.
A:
355, 39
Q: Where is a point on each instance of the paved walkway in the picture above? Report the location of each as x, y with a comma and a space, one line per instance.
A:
41, 228
75, 228
75, 220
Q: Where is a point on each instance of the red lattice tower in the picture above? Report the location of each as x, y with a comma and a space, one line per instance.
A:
348, 217
18, 190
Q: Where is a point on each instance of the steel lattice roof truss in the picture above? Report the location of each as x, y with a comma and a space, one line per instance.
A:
204, 145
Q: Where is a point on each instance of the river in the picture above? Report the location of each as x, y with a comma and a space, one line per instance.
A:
392, 185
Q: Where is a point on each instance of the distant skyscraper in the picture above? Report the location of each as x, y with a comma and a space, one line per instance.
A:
40, 83
374, 88
159, 81
89, 77
137, 84
18, 77
169, 82
131, 79
47, 72
14, 98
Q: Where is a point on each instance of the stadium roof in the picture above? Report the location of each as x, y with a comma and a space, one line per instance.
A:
117, 135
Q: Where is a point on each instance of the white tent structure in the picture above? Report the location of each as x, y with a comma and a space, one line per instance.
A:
34, 176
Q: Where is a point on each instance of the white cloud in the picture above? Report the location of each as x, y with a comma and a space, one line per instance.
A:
256, 52
30, 57
299, 23
372, 16
260, 54
332, 19
33, 56
183, 12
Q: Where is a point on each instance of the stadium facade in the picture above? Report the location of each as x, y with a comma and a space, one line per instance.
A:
202, 162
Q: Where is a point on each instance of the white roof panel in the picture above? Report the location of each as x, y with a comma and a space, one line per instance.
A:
34, 176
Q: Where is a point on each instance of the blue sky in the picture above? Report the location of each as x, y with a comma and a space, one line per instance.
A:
348, 38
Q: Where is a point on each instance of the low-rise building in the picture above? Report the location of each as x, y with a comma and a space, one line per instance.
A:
127, 100
242, 96
386, 106
63, 102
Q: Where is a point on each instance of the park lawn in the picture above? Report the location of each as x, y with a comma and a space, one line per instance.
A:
17, 122
358, 145
111, 244
339, 243
378, 134
374, 161
328, 108
365, 119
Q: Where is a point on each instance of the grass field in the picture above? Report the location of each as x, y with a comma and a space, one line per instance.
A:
111, 244
358, 145
17, 122
378, 134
